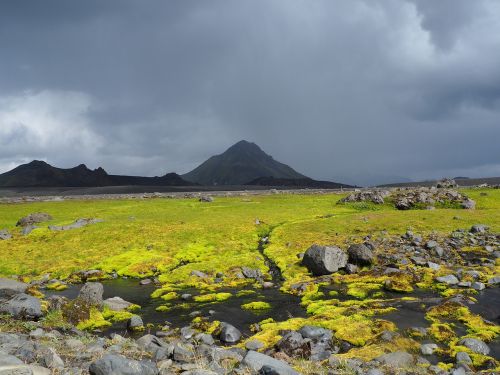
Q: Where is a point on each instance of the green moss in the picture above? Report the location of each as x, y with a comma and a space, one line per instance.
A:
362, 290
258, 305
95, 321
212, 297
57, 286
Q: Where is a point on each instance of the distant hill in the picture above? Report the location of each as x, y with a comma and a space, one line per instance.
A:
461, 181
241, 163
296, 183
41, 174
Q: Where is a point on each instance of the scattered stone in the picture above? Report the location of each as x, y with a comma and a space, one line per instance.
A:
476, 345
206, 199
373, 196
396, 359
135, 323
324, 260
9, 360
199, 274
5, 234
51, 359
433, 266
91, 293
360, 255
351, 268
112, 364
229, 334
145, 282
117, 304
22, 306
494, 280
428, 349
251, 273
257, 361
478, 285
9, 287
79, 223
463, 357
34, 218
448, 279
479, 228
254, 345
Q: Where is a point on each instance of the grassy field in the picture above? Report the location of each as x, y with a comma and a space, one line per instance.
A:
170, 238
176, 236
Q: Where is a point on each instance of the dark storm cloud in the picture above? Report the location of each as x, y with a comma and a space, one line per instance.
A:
335, 88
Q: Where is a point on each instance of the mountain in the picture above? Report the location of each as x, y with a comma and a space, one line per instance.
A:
40, 174
239, 164
296, 183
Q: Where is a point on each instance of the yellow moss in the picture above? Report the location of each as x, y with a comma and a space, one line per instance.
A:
163, 308
169, 296
95, 321
258, 305
115, 316
362, 290
376, 349
213, 297
57, 285
442, 332
245, 292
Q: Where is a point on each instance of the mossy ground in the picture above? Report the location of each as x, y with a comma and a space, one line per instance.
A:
170, 238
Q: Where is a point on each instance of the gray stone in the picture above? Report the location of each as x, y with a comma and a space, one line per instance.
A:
256, 361
463, 357
199, 274
34, 218
294, 345
360, 255
314, 332
433, 266
9, 360
9, 286
135, 323
22, 306
27, 230
145, 282
79, 223
229, 334
205, 338
254, 345
92, 293
251, 273
351, 268
448, 279
184, 353
479, 228
51, 359
5, 234
431, 244
428, 349
374, 371
324, 260
396, 359
494, 280
476, 345
113, 364
478, 285
117, 303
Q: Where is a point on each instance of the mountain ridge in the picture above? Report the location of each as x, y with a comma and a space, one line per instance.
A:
241, 163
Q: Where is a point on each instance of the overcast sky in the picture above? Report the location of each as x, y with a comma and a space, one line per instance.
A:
338, 89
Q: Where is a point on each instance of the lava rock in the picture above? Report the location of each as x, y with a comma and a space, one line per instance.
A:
448, 279
476, 345
135, 323
22, 306
396, 359
479, 228
257, 361
92, 293
116, 303
34, 218
324, 260
360, 255
229, 334
112, 364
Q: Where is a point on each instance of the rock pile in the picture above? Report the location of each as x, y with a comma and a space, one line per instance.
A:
428, 197
374, 196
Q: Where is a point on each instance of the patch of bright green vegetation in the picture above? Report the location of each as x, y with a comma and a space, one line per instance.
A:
212, 297
257, 305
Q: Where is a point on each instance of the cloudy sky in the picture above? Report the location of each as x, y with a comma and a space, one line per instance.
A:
339, 89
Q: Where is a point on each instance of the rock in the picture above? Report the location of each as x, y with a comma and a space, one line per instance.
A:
206, 199
199, 372
22, 306
448, 183
187, 332
476, 345
9, 360
57, 302
251, 273
351, 268
51, 359
314, 332
34, 218
28, 229
229, 334
79, 223
376, 197
478, 285
8, 287
205, 338
117, 304
256, 361
184, 353
374, 371
135, 323
92, 293
431, 244
254, 345
433, 266
186, 296
294, 345
448, 279
428, 349
396, 359
5, 234
74, 344
199, 274
145, 282
324, 260
113, 364
494, 280
479, 228
468, 204
360, 255
463, 357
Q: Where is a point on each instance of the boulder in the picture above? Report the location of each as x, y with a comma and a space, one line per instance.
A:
324, 260
448, 279
92, 293
360, 254
9, 360
206, 199
135, 323
476, 345
229, 334
294, 345
116, 303
22, 306
9, 287
51, 359
112, 364
428, 349
258, 362
397, 359
251, 273
34, 218
79, 223
479, 228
